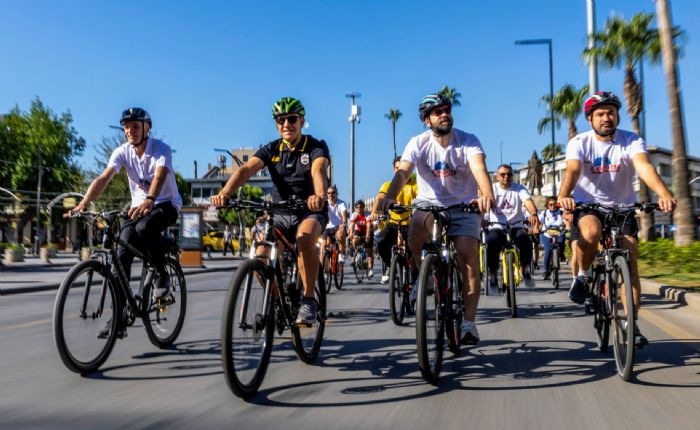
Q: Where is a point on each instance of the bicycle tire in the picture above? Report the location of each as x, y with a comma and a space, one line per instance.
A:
396, 293
555, 267
601, 320
244, 376
512, 304
338, 275
157, 316
455, 313
73, 294
483, 264
307, 341
327, 270
358, 262
622, 322
430, 327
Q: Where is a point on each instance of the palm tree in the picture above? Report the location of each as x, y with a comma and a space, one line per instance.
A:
630, 43
683, 217
567, 104
393, 115
552, 151
451, 94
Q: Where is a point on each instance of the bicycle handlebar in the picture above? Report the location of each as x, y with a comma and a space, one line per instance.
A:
617, 207
472, 207
291, 205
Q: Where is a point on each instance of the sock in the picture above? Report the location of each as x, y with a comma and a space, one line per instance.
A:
583, 274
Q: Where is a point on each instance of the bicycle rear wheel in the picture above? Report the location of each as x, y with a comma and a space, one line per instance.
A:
85, 305
510, 294
307, 340
246, 332
453, 318
396, 292
622, 322
163, 319
555, 266
601, 320
430, 328
327, 270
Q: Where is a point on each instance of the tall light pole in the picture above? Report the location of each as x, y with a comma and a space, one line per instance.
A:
354, 117
38, 202
547, 42
593, 64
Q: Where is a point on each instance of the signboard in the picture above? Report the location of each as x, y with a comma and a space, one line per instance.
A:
190, 229
211, 215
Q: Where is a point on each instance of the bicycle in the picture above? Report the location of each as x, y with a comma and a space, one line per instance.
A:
483, 262
611, 292
554, 259
358, 260
96, 294
332, 267
265, 294
439, 305
510, 268
401, 282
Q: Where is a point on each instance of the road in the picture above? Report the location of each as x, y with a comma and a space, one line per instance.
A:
540, 371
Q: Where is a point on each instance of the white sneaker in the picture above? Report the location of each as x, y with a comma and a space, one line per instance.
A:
341, 258
470, 335
385, 279
370, 273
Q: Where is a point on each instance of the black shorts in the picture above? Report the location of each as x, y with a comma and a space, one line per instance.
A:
288, 224
628, 224
329, 232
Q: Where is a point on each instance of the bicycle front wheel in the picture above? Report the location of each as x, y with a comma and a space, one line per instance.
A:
338, 275
510, 294
327, 270
85, 317
555, 267
453, 321
358, 266
483, 262
246, 331
396, 293
307, 340
601, 321
163, 318
622, 313
430, 328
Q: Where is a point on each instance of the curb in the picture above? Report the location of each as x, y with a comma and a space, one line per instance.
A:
54, 286
673, 294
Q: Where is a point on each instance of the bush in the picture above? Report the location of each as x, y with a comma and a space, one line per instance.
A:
665, 252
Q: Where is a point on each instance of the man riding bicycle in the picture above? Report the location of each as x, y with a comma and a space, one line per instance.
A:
552, 219
451, 168
600, 166
337, 219
297, 164
387, 236
361, 234
510, 199
155, 200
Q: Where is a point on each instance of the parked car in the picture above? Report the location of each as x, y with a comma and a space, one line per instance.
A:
214, 241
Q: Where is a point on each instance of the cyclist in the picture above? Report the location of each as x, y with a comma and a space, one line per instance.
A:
298, 164
155, 200
387, 236
551, 218
510, 200
361, 234
451, 167
600, 166
337, 219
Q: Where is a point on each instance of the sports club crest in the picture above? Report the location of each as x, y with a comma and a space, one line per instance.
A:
304, 159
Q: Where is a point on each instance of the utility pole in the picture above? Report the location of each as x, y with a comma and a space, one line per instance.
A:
38, 203
354, 117
593, 65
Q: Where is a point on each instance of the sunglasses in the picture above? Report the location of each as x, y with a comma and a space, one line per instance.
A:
291, 118
331, 193
440, 111
503, 175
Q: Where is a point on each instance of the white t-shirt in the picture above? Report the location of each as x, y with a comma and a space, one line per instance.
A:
551, 219
607, 171
335, 218
142, 170
509, 206
444, 175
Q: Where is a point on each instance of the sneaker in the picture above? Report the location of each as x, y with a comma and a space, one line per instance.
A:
546, 277
528, 279
341, 258
370, 273
163, 288
104, 333
470, 335
639, 339
307, 312
385, 279
577, 293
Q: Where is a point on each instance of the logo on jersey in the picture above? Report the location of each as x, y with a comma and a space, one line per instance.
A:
603, 164
304, 159
505, 207
443, 170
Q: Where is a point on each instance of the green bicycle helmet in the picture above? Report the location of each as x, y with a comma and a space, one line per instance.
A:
287, 105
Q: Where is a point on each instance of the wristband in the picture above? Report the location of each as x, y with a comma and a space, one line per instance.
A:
150, 198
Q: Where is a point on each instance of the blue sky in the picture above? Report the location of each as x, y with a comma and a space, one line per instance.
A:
208, 72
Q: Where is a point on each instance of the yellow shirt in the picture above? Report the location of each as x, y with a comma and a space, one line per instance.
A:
405, 198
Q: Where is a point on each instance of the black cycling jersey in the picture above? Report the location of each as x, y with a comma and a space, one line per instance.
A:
291, 170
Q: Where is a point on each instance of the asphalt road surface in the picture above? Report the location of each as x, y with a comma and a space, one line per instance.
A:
540, 371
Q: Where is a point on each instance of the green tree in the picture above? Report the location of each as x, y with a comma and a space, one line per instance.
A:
117, 194
567, 104
183, 187
229, 216
393, 115
555, 148
451, 94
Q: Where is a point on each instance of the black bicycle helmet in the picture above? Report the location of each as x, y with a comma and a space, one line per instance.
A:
359, 203
135, 114
430, 102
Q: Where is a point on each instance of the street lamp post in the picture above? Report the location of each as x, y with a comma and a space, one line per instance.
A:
547, 42
354, 117
593, 64
38, 203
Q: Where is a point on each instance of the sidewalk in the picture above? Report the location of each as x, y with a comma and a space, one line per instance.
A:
34, 275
